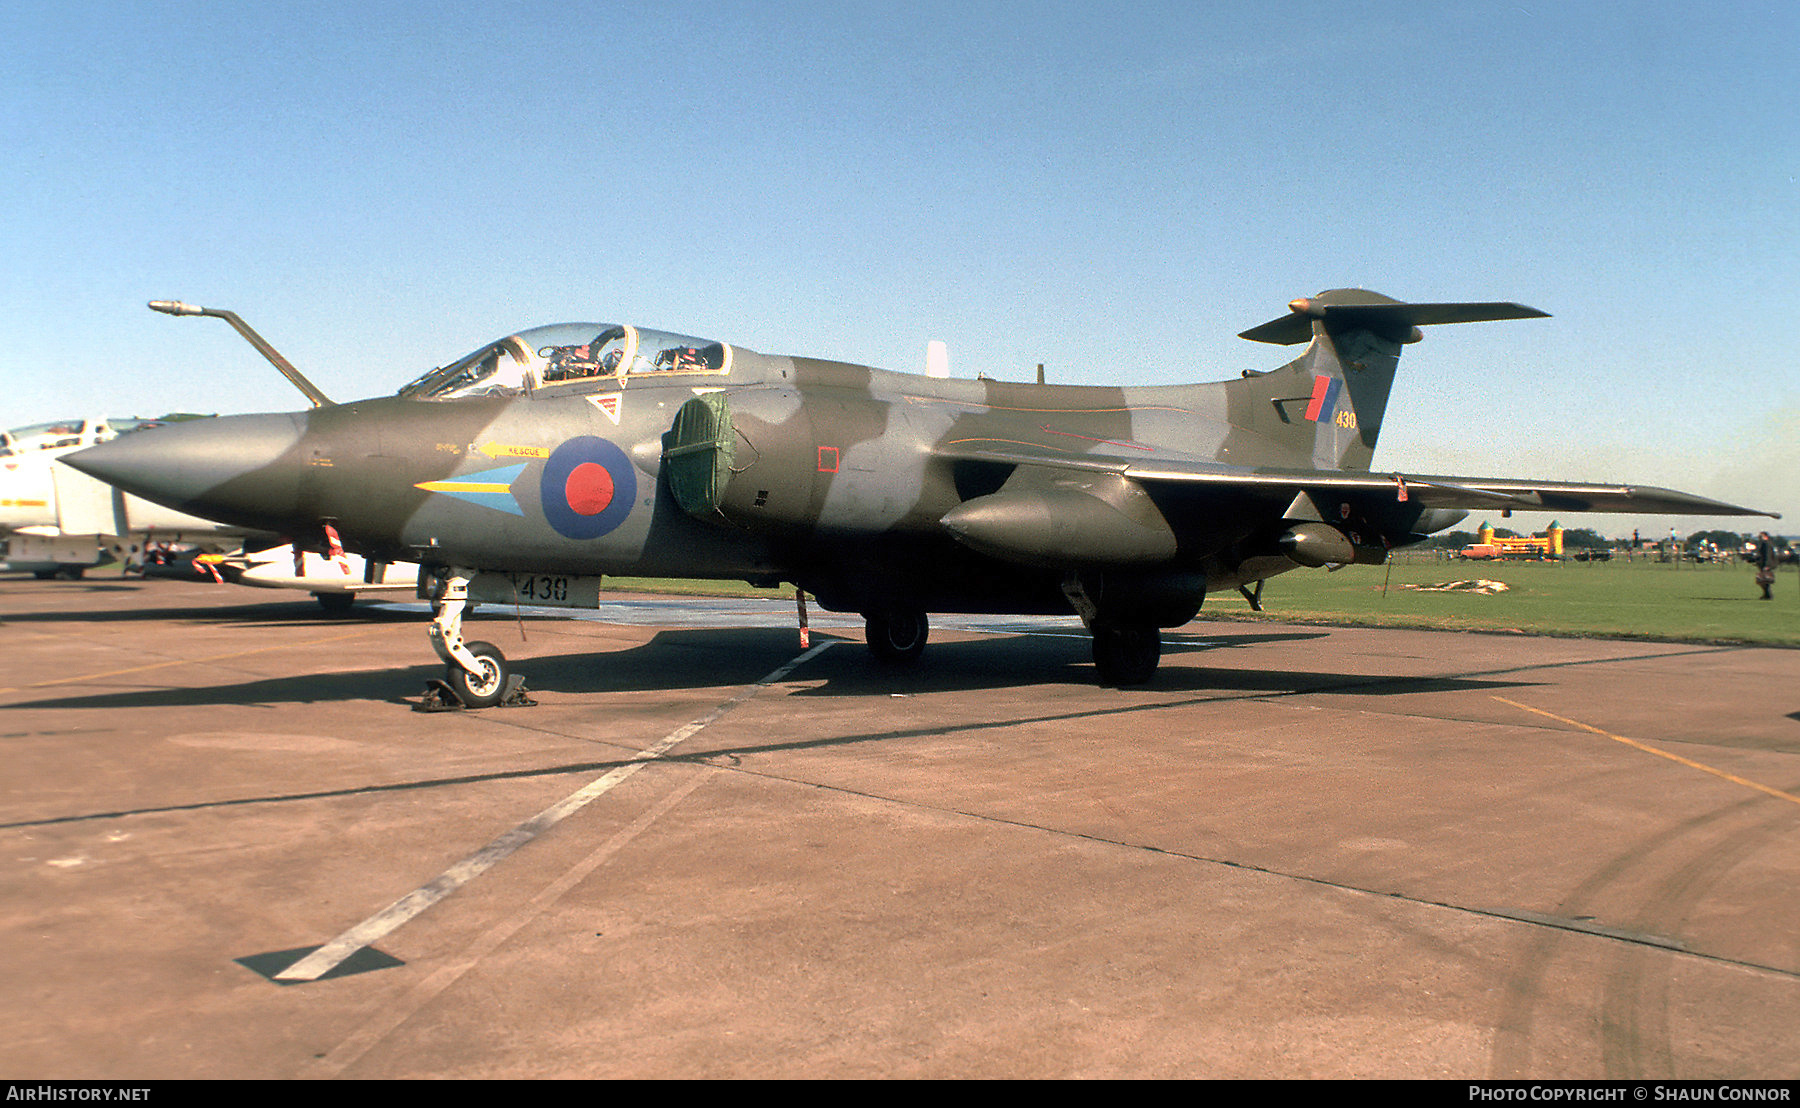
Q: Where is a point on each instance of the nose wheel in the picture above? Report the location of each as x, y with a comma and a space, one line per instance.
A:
485, 685
476, 674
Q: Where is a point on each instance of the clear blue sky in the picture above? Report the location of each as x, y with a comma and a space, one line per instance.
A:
1113, 189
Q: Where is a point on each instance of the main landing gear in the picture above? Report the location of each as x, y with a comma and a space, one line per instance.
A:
475, 673
1127, 649
896, 635
335, 603
1126, 652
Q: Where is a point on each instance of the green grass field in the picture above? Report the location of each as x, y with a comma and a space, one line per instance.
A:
1606, 599
1646, 600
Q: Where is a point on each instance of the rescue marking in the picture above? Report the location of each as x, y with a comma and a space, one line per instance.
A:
1731, 777
389, 919
508, 450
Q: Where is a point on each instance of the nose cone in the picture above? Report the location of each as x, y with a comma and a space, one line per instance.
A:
235, 469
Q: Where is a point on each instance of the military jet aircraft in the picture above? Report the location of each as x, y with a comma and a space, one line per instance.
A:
60, 523
552, 456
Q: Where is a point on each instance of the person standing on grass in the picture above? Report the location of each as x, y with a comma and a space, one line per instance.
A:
1765, 563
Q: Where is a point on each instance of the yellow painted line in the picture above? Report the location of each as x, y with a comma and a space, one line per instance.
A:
184, 662
1012, 442
1731, 777
464, 486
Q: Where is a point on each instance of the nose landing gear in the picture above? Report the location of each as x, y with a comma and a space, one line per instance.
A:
476, 674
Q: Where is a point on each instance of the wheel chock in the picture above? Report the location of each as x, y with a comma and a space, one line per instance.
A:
439, 697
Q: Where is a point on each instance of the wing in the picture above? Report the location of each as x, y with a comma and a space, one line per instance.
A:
1171, 469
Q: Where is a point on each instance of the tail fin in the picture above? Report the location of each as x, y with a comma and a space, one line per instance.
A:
1326, 405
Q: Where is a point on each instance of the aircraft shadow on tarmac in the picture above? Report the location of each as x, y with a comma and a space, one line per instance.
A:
1025, 660
278, 611
690, 658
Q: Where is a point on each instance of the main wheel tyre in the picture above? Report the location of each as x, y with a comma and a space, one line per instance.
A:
337, 603
897, 636
1126, 653
484, 688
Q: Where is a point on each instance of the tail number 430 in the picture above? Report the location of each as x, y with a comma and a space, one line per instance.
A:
549, 590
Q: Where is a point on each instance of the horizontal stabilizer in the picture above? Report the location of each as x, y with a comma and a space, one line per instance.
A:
1357, 309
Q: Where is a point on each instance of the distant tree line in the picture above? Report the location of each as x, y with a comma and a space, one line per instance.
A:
1731, 540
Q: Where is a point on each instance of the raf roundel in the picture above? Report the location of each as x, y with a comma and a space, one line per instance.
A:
587, 488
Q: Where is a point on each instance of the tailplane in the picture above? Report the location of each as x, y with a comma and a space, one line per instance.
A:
1326, 406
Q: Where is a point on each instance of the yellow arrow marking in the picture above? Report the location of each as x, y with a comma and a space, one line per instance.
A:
507, 450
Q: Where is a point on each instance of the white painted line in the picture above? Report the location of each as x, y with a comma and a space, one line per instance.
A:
332, 954
385, 1021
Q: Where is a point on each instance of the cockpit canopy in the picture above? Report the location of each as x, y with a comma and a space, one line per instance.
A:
546, 357
44, 436
64, 433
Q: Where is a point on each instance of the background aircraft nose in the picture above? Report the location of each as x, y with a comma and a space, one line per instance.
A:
233, 468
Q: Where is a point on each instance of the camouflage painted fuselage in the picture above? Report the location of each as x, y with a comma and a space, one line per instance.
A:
840, 478
871, 489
